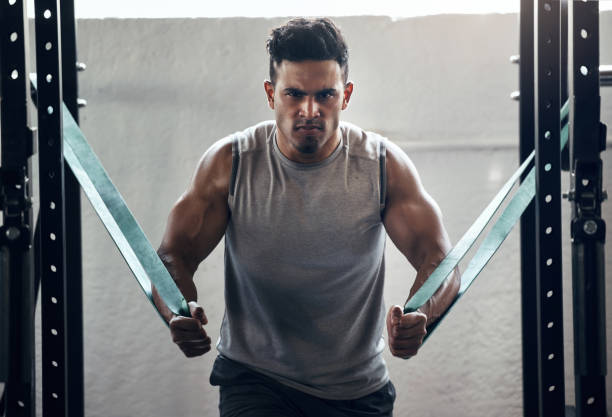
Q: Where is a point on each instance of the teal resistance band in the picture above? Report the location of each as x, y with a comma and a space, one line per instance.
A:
118, 220
116, 216
492, 241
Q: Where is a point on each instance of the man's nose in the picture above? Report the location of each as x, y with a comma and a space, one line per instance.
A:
309, 108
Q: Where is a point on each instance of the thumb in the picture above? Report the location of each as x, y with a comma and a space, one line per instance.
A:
396, 314
197, 312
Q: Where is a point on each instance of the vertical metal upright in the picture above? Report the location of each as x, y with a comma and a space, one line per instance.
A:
16, 205
549, 277
74, 268
528, 260
564, 64
52, 209
587, 140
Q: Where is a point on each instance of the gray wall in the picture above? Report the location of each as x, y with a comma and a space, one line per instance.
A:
161, 92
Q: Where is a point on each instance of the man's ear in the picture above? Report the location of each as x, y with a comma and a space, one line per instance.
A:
348, 90
269, 88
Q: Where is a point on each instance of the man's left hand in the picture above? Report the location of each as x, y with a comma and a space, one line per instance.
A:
406, 332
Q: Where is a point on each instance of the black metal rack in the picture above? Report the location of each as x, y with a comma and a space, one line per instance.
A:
544, 57
60, 244
16, 254
549, 276
54, 242
587, 140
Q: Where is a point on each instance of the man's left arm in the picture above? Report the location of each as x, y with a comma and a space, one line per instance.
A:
413, 221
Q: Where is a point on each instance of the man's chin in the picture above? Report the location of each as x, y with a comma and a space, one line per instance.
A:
307, 144
307, 149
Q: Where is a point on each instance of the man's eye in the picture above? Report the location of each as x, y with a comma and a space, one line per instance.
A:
325, 96
294, 94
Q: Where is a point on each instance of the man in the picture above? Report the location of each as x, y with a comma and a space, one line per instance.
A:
304, 203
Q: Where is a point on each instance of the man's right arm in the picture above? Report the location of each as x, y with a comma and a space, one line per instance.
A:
195, 226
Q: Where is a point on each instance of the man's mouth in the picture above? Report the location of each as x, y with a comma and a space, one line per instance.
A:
308, 127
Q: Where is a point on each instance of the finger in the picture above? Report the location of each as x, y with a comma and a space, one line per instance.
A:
404, 337
190, 353
404, 353
193, 346
407, 333
413, 343
197, 312
412, 319
190, 337
185, 323
180, 334
194, 341
395, 314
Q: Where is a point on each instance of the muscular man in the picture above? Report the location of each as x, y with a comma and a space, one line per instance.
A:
305, 203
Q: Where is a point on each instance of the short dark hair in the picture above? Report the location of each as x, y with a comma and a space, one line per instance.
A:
302, 39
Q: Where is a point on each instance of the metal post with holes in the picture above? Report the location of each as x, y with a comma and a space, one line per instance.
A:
587, 140
16, 276
52, 209
564, 63
74, 269
527, 230
547, 18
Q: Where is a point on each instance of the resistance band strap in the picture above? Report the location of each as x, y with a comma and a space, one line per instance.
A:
500, 230
452, 259
492, 241
121, 225
116, 216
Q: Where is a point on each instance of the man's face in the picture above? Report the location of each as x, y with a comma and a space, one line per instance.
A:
307, 99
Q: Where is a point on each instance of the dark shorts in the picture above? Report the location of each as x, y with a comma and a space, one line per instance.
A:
244, 392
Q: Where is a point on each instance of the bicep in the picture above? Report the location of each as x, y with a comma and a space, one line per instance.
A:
198, 219
412, 218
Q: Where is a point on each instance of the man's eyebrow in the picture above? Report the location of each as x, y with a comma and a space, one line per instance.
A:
297, 90
293, 90
327, 91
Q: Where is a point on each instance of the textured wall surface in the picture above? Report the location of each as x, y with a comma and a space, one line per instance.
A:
160, 92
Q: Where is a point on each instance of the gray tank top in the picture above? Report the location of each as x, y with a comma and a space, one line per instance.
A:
304, 264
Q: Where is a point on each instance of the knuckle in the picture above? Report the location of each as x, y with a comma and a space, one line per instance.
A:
191, 353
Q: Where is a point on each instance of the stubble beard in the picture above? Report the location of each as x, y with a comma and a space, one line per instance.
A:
309, 145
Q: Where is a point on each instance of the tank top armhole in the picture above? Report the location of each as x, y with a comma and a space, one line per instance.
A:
382, 157
235, 162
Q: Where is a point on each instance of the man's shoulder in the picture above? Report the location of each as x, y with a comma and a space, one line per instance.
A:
361, 142
254, 137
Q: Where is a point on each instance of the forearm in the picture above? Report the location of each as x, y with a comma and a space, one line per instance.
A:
435, 307
182, 274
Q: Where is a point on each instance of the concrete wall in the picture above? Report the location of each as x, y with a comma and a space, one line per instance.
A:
160, 92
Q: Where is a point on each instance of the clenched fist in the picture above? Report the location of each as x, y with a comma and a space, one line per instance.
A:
188, 332
406, 332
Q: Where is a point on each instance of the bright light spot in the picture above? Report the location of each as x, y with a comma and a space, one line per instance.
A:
494, 175
282, 8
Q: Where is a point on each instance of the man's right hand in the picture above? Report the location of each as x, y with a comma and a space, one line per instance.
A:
188, 332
